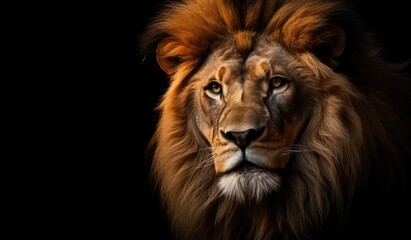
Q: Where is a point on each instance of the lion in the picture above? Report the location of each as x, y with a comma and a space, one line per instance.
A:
281, 120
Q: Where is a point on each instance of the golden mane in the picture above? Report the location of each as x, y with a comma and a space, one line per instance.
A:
356, 147
186, 31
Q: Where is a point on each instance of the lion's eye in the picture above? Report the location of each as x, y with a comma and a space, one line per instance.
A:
278, 84
214, 87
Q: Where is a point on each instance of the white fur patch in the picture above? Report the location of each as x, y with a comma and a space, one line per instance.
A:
252, 184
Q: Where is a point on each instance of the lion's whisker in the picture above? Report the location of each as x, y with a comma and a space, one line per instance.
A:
288, 150
200, 150
203, 163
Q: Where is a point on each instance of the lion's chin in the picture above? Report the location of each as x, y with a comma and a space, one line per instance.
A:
249, 184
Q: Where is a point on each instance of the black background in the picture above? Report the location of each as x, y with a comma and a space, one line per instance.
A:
118, 118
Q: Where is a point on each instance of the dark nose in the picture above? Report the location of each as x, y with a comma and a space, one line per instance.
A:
244, 138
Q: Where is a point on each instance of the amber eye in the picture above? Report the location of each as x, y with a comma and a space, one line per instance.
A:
214, 87
277, 82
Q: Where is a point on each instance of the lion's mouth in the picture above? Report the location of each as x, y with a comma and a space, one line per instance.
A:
248, 180
246, 166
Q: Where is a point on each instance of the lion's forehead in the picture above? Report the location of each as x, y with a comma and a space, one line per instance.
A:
227, 65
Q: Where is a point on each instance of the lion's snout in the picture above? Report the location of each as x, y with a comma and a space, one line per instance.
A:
242, 138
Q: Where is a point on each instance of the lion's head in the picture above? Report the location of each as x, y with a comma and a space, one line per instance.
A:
278, 118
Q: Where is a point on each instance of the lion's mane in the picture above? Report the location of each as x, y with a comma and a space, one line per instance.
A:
358, 132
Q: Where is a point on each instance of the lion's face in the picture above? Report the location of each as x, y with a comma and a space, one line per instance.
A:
250, 112
274, 120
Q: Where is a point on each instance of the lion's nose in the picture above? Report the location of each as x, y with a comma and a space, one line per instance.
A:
244, 138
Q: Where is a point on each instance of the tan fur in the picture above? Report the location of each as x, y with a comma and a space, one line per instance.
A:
344, 105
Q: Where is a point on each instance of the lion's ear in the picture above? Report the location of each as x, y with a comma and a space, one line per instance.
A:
327, 43
324, 39
167, 56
